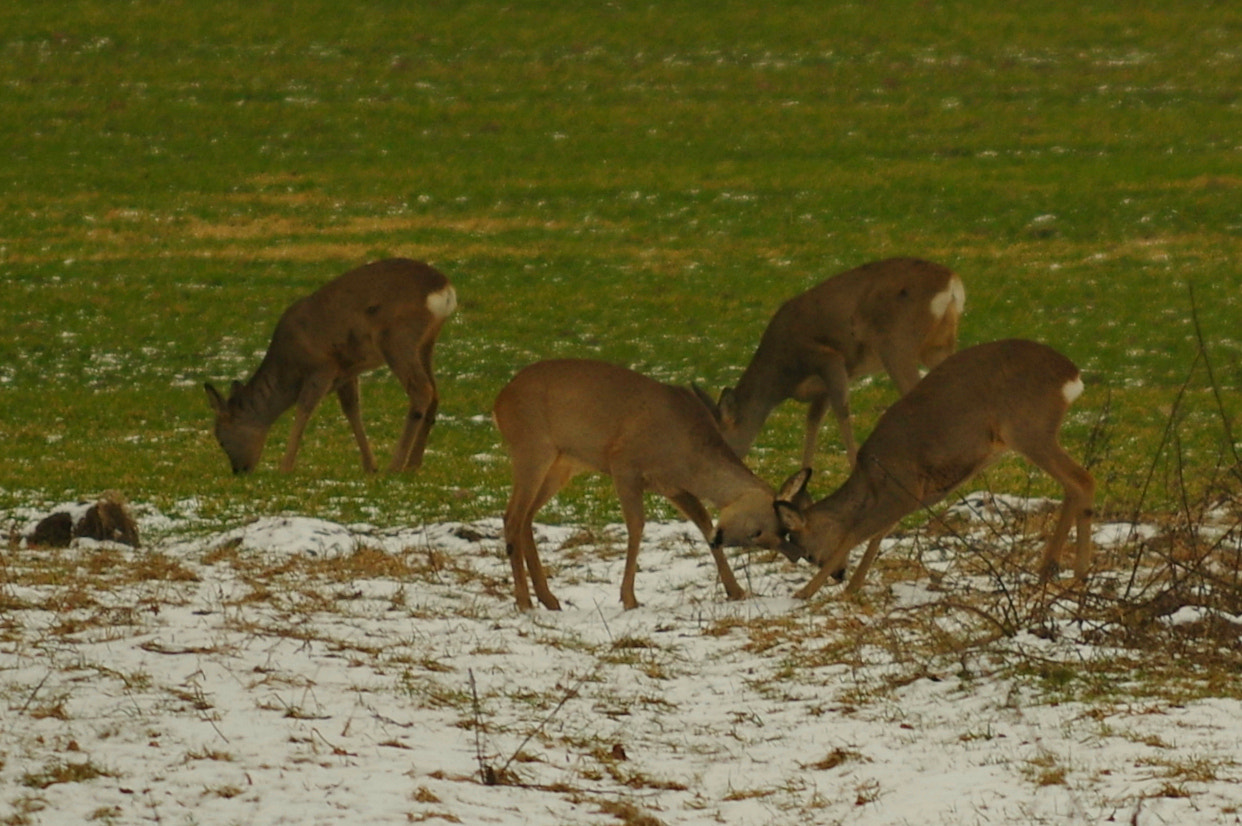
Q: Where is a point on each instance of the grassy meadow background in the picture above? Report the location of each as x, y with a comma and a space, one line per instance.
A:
639, 182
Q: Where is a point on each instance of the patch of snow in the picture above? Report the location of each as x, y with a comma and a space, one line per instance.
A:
360, 699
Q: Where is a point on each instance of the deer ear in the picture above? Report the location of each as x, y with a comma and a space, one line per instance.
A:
214, 398
789, 516
794, 488
707, 400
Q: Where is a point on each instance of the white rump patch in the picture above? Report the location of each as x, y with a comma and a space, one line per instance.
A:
1072, 389
442, 302
953, 296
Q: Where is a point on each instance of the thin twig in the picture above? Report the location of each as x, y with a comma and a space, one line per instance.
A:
1169, 427
487, 775
30, 699
1097, 446
938, 518
599, 610
336, 750
570, 693
1220, 404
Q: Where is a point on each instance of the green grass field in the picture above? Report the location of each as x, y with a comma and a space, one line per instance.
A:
639, 182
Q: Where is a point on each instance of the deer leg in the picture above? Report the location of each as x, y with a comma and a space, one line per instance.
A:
349, 396
529, 554
835, 565
630, 493
529, 481
410, 360
860, 573
1084, 511
515, 538
408, 454
1075, 507
902, 366
821, 576
415, 459
1082, 536
555, 479
830, 366
313, 391
839, 399
934, 354
693, 509
1050, 562
814, 420
517, 534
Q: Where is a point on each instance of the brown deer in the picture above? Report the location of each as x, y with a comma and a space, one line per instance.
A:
563, 417
889, 315
385, 312
966, 413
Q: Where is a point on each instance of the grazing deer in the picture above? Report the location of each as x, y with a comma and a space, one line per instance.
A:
563, 417
385, 312
975, 406
888, 315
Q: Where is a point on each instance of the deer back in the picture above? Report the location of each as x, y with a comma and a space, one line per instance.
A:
345, 322
892, 314
607, 417
898, 300
978, 404
341, 330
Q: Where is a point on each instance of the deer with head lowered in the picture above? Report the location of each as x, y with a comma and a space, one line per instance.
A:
966, 413
387, 312
563, 417
888, 315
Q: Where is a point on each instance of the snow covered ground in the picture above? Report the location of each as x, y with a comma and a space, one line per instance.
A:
298, 671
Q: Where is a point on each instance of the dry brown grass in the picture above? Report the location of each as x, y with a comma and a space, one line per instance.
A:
972, 622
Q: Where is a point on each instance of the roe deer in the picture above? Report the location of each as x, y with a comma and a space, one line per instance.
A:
975, 406
385, 312
889, 315
563, 417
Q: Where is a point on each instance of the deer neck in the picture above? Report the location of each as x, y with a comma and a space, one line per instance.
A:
756, 395
724, 482
269, 392
861, 507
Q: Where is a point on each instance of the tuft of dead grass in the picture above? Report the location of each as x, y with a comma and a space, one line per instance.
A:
836, 757
63, 772
628, 813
